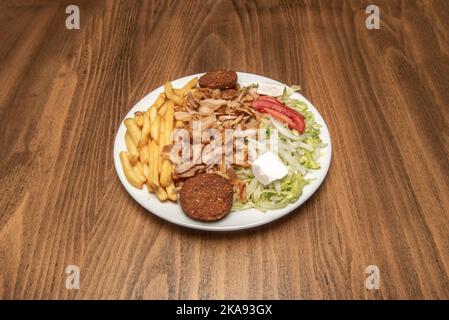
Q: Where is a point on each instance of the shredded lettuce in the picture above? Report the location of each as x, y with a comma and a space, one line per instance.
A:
299, 152
267, 197
288, 91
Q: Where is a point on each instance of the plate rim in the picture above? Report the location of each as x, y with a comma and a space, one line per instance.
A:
209, 226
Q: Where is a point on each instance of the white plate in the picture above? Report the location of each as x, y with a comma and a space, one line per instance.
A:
235, 220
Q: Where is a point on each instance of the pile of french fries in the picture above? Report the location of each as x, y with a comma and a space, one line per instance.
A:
146, 135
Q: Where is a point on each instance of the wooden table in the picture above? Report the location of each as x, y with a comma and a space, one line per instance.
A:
383, 93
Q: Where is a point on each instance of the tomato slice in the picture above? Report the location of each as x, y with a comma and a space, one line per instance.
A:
276, 104
268, 98
280, 111
277, 115
298, 125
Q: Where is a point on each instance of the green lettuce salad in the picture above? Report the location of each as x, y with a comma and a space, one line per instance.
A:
299, 152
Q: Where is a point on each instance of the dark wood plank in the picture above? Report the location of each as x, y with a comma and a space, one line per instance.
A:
383, 93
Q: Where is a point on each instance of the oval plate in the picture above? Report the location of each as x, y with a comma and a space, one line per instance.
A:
235, 220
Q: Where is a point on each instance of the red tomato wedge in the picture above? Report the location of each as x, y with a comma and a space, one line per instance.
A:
268, 98
280, 111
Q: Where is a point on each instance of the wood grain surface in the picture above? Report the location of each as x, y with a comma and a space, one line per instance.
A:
384, 94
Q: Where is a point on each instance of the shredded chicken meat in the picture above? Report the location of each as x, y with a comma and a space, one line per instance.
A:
218, 109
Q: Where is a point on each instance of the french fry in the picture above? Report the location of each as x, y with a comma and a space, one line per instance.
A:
138, 168
161, 193
191, 84
146, 170
133, 152
133, 178
161, 144
178, 92
185, 89
160, 100
149, 187
144, 154
159, 158
157, 104
188, 86
139, 120
166, 168
153, 171
152, 114
171, 192
171, 95
165, 177
162, 109
168, 122
166, 125
146, 129
133, 130
155, 129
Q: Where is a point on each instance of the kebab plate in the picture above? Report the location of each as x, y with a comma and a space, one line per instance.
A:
215, 146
